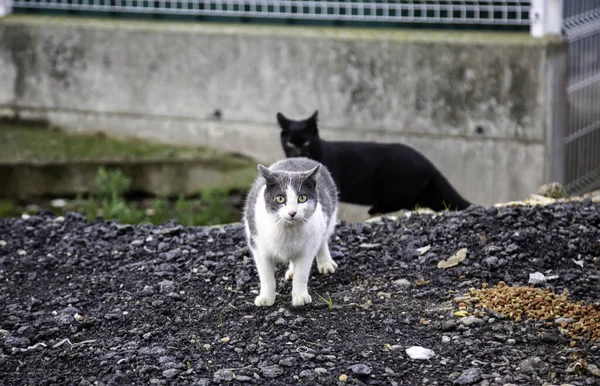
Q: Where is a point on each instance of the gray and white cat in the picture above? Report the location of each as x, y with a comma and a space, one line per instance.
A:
289, 215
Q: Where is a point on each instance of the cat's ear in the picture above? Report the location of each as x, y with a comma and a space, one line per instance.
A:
311, 122
267, 174
313, 173
264, 171
284, 123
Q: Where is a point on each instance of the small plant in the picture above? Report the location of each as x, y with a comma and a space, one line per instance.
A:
448, 207
328, 301
221, 324
108, 200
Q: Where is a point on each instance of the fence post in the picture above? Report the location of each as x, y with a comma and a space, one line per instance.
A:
546, 17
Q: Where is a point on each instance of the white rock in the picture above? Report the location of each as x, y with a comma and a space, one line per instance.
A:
537, 278
418, 352
446, 339
2, 243
25, 216
58, 203
424, 249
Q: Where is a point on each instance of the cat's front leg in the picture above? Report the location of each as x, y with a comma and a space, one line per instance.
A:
325, 263
301, 273
290, 271
266, 274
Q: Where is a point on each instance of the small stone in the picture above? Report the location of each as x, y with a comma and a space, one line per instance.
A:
2, 243
306, 374
594, 370
223, 375
532, 364
361, 369
343, 378
511, 341
320, 371
491, 262
15, 341
21, 252
537, 278
470, 320
369, 246
273, 371
389, 371
384, 295
559, 321
225, 339
58, 203
287, 361
242, 378
446, 339
418, 352
469, 377
171, 373
307, 356
402, 283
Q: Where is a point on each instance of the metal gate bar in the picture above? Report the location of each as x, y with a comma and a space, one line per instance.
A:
581, 25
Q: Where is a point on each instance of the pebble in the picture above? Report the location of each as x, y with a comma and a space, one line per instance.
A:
470, 320
171, 373
537, 278
15, 341
511, 341
273, 371
320, 371
532, 364
361, 369
307, 356
446, 339
469, 377
559, 321
287, 361
242, 378
418, 352
402, 283
307, 374
223, 375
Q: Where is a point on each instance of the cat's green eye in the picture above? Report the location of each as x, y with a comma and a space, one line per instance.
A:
289, 144
306, 143
302, 198
280, 199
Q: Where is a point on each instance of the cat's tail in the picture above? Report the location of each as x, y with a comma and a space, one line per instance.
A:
451, 199
441, 195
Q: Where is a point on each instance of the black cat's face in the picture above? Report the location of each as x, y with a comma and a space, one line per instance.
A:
300, 138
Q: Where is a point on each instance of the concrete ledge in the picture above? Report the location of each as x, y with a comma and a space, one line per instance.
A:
476, 103
161, 177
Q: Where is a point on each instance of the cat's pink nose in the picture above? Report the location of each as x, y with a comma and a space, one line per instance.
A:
292, 214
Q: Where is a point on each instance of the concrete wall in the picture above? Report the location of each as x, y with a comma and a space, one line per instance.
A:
480, 105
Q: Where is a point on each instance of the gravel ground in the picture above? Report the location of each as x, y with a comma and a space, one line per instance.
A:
101, 303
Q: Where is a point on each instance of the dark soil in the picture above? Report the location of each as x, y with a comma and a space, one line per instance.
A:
172, 305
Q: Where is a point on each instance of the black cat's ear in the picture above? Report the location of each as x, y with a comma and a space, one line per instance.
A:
284, 123
265, 172
312, 122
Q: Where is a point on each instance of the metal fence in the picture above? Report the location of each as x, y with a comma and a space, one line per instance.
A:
475, 12
581, 26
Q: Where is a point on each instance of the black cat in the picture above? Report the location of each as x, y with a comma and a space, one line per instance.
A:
388, 177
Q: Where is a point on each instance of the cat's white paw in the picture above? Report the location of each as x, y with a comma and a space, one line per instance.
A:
289, 274
264, 300
301, 299
327, 267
